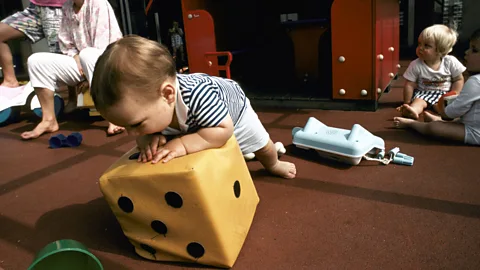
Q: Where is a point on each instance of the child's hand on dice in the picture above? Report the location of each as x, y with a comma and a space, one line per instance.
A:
169, 151
148, 146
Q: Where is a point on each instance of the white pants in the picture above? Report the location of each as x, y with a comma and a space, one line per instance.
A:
250, 132
47, 70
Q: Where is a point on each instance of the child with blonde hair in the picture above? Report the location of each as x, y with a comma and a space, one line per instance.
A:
135, 85
465, 109
433, 73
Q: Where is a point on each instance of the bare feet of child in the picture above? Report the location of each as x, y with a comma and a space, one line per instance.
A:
283, 169
409, 112
114, 130
268, 156
46, 126
428, 117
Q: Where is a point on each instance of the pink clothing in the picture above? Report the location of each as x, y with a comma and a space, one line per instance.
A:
48, 3
95, 25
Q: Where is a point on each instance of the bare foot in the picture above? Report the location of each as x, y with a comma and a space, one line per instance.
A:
407, 111
284, 169
70, 107
401, 122
41, 128
428, 117
10, 84
114, 130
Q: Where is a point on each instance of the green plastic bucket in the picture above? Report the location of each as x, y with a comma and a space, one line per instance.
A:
65, 254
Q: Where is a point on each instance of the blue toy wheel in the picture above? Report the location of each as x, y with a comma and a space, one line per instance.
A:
58, 104
9, 115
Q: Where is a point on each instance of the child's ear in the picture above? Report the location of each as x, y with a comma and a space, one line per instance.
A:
167, 91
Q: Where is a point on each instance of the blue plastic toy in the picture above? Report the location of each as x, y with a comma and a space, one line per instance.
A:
59, 140
347, 146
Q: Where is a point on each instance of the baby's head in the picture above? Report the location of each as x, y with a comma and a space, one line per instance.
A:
435, 42
133, 85
472, 55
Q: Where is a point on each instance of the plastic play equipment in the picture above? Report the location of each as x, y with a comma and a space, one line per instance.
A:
65, 254
12, 100
320, 34
347, 146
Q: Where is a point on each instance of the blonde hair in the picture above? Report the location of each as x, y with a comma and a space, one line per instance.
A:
443, 36
132, 62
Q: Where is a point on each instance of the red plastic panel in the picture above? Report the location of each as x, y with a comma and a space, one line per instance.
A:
199, 39
352, 38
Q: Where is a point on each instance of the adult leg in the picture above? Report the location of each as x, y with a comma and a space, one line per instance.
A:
88, 59
6, 61
454, 131
26, 23
46, 69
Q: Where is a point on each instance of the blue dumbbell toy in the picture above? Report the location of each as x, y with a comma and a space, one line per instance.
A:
60, 140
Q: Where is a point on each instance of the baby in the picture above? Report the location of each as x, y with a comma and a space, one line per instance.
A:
135, 85
433, 73
465, 109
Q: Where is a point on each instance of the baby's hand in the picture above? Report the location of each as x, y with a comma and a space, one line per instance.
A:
148, 146
171, 150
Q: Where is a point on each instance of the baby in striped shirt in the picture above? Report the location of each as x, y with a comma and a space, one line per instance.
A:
135, 85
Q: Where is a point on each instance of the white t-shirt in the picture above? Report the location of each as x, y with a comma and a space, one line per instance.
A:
428, 79
467, 104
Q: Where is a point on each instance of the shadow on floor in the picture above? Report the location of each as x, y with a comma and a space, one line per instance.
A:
94, 225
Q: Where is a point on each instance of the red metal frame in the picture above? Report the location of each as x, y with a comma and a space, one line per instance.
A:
212, 61
362, 30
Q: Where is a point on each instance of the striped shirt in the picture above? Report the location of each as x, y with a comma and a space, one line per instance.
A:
209, 100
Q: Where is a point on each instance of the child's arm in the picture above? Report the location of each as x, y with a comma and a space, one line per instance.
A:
457, 84
205, 138
464, 101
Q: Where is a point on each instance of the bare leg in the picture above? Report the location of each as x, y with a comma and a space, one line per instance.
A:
268, 156
72, 100
182, 55
428, 117
454, 131
414, 109
49, 121
6, 62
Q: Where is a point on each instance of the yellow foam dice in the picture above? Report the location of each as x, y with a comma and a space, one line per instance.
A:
196, 208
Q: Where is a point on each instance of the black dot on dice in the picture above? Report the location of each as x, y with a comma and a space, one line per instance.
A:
236, 189
173, 199
134, 156
159, 227
148, 249
195, 250
125, 204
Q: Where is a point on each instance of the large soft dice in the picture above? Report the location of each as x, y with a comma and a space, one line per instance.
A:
196, 208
